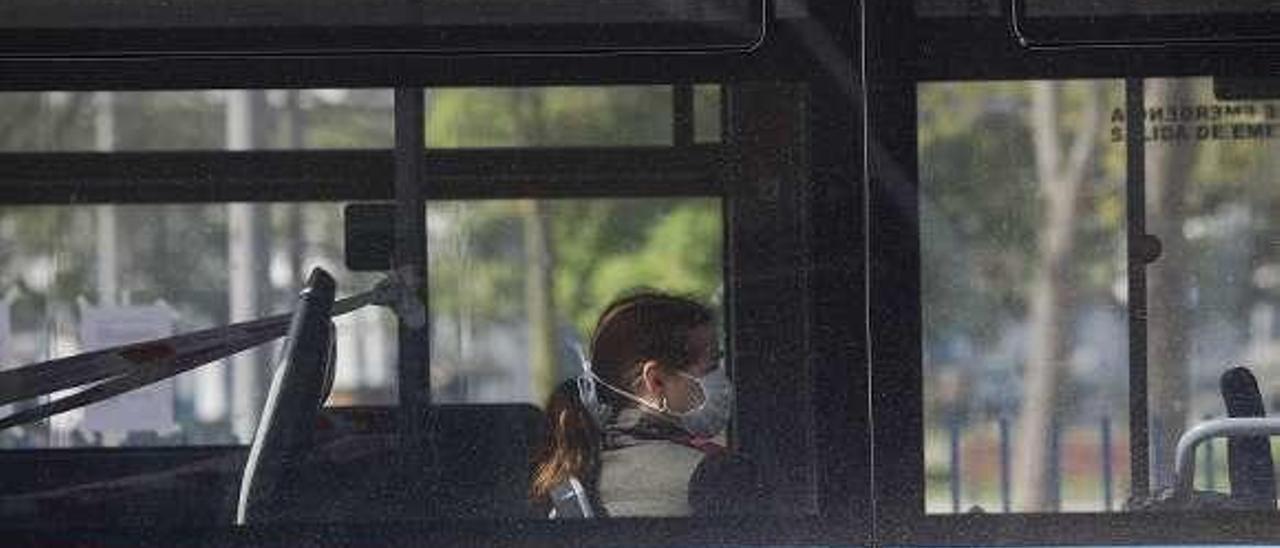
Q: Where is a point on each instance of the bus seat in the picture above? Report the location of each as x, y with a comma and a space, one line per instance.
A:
298, 388
1251, 469
484, 454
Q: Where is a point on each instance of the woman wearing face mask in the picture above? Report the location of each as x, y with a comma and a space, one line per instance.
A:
636, 428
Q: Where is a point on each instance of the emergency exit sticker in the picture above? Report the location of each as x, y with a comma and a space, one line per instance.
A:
1203, 122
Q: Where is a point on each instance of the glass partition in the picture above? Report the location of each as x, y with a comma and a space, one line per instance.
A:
1212, 201
1022, 222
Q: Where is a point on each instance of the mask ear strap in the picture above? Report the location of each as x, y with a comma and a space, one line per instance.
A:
587, 392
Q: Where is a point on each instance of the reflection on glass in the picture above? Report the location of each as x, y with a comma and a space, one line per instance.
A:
516, 284
155, 270
1025, 345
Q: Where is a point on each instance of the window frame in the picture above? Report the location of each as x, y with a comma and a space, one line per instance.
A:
274, 28
908, 50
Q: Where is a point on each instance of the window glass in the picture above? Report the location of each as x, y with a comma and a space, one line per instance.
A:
497, 335
76, 278
346, 118
549, 116
517, 284
1024, 297
707, 113
196, 120
1212, 201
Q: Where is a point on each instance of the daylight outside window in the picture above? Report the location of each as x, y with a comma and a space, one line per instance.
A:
1024, 297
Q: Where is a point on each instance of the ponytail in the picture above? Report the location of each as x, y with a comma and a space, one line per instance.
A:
631, 330
571, 446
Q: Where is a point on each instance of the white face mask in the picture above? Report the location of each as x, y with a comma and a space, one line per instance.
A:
711, 415
708, 418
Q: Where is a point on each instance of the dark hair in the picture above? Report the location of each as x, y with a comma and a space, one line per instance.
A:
631, 331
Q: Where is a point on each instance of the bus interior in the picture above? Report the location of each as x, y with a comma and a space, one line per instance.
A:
278, 273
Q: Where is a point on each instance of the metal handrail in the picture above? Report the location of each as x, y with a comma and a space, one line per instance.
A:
1185, 457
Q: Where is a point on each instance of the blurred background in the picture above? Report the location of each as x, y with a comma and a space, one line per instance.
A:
1023, 229
512, 283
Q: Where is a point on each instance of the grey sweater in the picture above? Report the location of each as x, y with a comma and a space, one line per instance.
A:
649, 468
648, 479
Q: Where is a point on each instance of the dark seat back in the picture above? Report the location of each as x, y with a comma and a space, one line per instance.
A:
484, 454
1252, 472
475, 465
286, 427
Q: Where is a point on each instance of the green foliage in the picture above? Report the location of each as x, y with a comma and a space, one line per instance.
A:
679, 250
980, 206
549, 116
600, 248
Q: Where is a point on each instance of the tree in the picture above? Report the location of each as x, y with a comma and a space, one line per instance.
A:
576, 254
1062, 162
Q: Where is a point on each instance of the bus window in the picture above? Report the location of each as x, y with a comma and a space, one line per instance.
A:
1023, 294
79, 278
549, 116
517, 285
1024, 217
1212, 201
149, 271
707, 113
570, 116
195, 120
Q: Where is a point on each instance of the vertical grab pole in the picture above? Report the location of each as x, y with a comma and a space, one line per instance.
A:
411, 253
954, 423
1135, 212
1006, 498
1107, 502
1055, 464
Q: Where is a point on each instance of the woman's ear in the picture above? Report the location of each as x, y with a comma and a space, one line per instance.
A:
651, 378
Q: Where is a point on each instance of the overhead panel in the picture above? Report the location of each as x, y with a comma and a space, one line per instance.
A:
56, 28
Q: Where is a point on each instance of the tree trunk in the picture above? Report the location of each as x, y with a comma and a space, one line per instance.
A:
1061, 173
107, 254
247, 258
540, 256
538, 298
1169, 166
